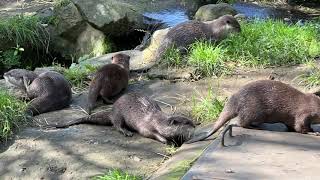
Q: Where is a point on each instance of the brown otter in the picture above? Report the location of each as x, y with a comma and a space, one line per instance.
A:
268, 101
186, 33
48, 91
109, 80
137, 112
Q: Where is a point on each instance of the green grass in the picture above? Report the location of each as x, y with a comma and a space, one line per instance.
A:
272, 43
207, 108
11, 114
312, 78
208, 59
170, 150
260, 44
116, 175
23, 30
77, 75
173, 58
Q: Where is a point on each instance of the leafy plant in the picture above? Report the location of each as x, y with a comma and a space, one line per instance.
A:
11, 114
208, 108
11, 58
116, 174
312, 78
77, 75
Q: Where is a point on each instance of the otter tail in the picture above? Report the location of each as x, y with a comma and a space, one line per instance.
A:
227, 114
99, 118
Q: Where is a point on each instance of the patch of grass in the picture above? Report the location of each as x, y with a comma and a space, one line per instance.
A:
170, 150
23, 31
12, 114
312, 78
116, 174
272, 43
208, 108
77, 75
208, 59
172, 57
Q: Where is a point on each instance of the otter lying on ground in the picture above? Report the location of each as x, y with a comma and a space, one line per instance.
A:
48, 91
268, 101
134, 111
109, 80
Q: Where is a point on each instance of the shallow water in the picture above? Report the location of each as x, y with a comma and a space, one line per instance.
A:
175, 15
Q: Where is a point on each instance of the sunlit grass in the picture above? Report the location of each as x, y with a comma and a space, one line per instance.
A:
12, 114
206, 108
116, 174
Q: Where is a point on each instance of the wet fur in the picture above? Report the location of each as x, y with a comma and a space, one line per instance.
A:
136, 112
269, 101
48, 91
109, 80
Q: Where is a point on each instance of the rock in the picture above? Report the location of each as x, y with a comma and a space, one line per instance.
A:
155, 42
213, 11
72, 35
112, 17
136, 59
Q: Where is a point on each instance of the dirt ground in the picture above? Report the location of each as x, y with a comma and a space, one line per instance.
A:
83, 151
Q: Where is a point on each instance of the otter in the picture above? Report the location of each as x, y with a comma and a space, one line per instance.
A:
48, 91
186, 33
137, 112
268, 101
109, 80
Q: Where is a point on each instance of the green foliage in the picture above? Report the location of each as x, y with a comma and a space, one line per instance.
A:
208, 59
77, 75
23, 31
208, 108
11, 114
11, 58
116, 174
312, 78
272, 43
172, 57
170, 150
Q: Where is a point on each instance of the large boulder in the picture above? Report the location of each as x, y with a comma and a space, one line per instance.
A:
213, 11
111, 17
72, 35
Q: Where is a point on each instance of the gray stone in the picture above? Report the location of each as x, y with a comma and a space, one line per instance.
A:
213, 11
72, 35
112, 17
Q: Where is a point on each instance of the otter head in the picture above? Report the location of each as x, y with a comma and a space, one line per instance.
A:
121, 59
225, 25
19, 78
180, 129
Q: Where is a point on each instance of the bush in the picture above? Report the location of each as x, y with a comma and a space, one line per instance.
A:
12, 114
